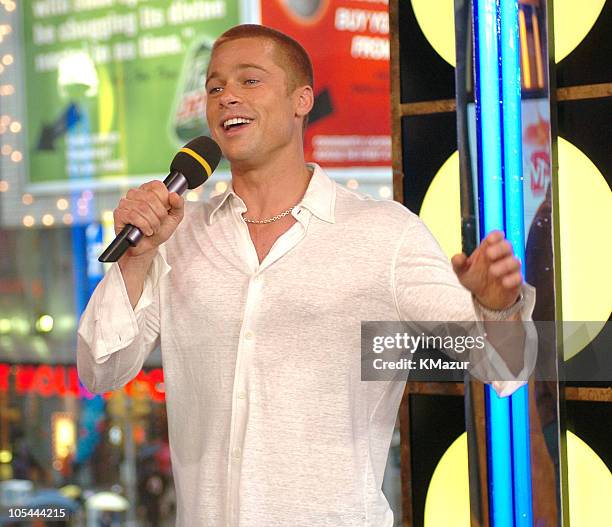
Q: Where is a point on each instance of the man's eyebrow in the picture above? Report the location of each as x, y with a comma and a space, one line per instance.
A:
241, 66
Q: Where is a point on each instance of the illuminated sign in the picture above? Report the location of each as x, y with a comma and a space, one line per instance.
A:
61, 381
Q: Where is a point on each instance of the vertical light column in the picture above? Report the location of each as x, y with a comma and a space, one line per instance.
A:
515, 233
488, 111
499, 445
498, 88
512, 129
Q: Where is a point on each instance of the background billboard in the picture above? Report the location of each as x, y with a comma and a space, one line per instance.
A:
114, 91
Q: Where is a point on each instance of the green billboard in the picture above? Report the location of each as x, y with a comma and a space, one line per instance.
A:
114, 87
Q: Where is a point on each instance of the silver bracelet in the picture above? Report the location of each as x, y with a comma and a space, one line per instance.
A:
501, 314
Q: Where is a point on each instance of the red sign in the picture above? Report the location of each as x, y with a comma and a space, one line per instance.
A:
60, 381
348, 42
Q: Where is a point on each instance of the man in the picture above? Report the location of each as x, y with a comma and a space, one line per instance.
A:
256, 299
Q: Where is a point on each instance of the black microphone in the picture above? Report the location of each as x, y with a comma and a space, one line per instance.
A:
190, 168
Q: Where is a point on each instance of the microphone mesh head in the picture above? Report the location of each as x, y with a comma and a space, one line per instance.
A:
197, 160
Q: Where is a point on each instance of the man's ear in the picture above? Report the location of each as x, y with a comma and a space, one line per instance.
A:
304, 100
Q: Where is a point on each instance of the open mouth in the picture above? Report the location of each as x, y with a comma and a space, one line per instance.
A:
236, 123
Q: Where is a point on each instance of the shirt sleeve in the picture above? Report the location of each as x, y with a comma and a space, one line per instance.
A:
114, 340
494, 366
426, 289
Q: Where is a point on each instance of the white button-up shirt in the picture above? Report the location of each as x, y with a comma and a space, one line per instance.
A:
270, 423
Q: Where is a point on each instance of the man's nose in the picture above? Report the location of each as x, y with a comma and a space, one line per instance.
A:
229, 97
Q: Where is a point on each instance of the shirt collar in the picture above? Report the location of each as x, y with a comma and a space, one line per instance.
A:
219, 201
320, 197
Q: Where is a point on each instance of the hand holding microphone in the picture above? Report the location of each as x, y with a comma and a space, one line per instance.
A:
148, 215
153, 210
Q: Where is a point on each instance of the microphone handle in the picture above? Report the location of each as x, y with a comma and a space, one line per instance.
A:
130, 235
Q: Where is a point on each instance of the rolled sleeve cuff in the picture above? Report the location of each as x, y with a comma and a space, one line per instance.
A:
117, 320
496, 367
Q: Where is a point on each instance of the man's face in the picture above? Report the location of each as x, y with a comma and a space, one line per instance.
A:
249, 110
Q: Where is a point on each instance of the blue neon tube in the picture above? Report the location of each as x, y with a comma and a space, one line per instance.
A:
515, 233
521, 458
489, 127
512, 129
500, 460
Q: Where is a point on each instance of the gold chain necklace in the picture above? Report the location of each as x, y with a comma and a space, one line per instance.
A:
273, 218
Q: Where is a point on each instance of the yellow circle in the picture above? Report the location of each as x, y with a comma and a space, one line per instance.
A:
572, 21
589, 483
585, 209
585, 206
437, 21
448, 496
441, 209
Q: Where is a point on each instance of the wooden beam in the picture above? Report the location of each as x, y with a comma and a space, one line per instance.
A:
571, 93
588, 91
396, 111
428, 107
603, 395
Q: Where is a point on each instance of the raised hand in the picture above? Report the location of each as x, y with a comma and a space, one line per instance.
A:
492, 273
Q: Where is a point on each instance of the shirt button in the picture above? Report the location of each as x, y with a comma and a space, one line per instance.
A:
241, 395
249, 335
257, 278
236, 453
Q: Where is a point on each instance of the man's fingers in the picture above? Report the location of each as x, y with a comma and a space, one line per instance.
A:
125, 214
499, 250
159, 189
494, 237
150, 205
147, 194
512, 280
159, 208
505, 266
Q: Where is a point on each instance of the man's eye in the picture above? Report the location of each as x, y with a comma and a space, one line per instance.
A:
251, 82
212, 91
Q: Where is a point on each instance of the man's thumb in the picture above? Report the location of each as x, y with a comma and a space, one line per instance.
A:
177, 203
459, 262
